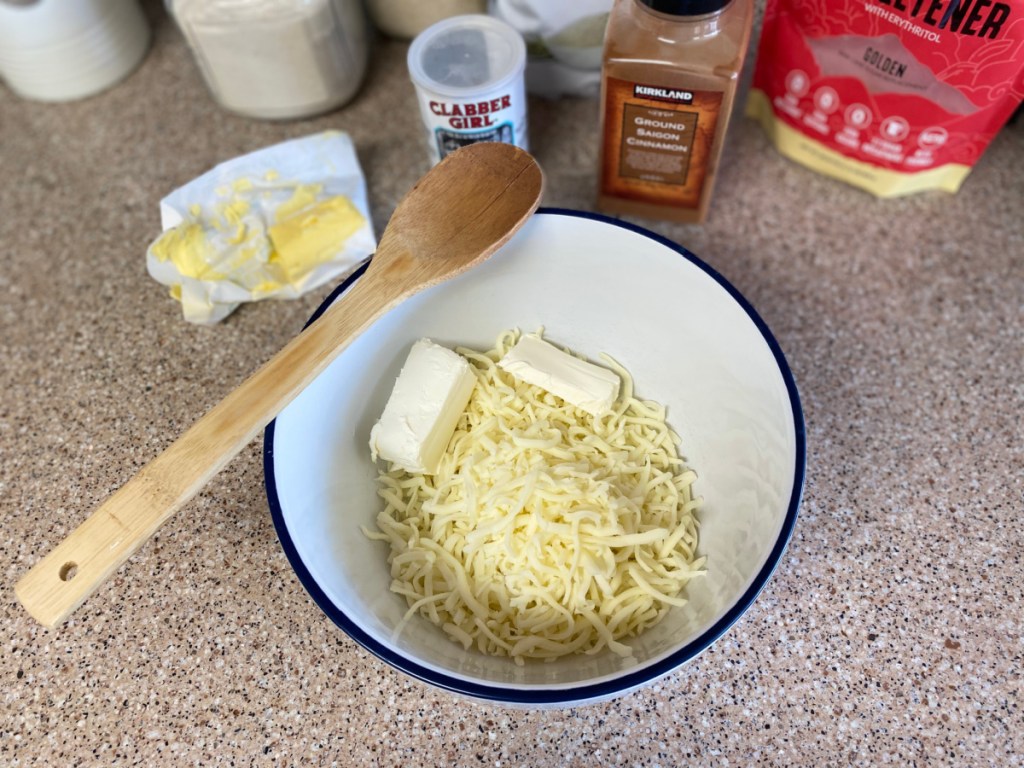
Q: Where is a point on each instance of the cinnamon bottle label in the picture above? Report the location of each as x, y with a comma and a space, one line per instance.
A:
659, 142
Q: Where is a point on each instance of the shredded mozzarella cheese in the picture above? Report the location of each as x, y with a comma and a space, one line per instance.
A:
546, 530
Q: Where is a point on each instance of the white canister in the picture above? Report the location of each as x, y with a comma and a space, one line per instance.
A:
59, 50
468, 73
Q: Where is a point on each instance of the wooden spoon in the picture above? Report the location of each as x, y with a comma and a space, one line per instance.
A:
456, 216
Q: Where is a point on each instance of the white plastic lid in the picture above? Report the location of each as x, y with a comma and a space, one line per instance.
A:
465, 55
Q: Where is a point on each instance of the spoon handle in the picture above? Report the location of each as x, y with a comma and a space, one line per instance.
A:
76, 567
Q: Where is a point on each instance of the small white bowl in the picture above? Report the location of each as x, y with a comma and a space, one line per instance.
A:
691, 341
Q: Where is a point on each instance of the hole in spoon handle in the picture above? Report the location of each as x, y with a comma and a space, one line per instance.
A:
58, 583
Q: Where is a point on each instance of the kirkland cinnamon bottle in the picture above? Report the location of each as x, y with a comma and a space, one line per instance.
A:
671, 69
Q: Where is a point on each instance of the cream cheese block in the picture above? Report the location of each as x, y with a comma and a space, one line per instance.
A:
419, 419
582, 384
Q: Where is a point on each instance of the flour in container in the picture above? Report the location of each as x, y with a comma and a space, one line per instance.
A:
277, 59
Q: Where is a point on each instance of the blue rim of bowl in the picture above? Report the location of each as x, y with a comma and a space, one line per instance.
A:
593, 691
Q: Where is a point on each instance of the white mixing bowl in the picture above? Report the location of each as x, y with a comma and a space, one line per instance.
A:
596, 285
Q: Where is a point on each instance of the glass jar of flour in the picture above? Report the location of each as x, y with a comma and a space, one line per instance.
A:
277, 59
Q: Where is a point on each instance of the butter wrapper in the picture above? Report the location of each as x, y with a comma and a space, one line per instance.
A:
273, 224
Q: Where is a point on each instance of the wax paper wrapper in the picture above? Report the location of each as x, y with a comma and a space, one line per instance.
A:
273, 224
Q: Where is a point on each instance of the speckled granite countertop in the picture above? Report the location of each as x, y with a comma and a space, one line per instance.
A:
891, 634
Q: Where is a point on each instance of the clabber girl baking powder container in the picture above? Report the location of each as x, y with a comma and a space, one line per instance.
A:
468, 73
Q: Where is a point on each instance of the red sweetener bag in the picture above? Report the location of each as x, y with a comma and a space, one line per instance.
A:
893, 96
